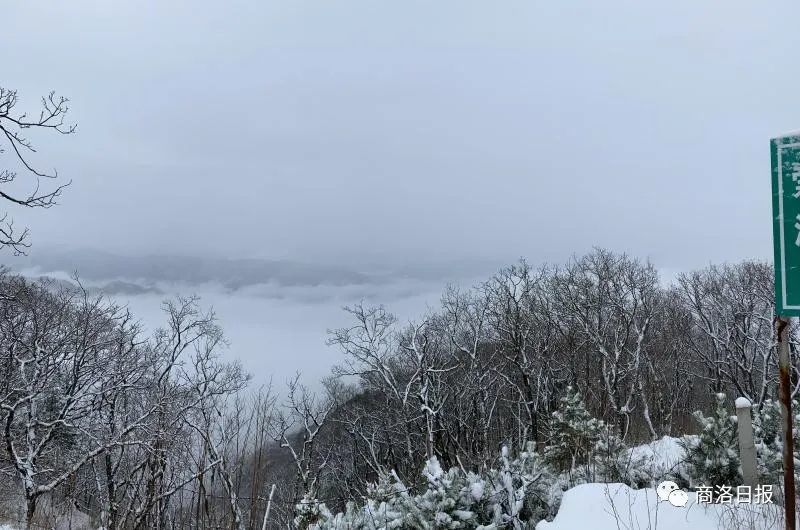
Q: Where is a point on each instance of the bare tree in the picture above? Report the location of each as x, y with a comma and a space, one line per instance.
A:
189, 386
14, 127
669, 365
218, 425
732, 309
473, 385
297, 429
371, 347
527, 339
611, 301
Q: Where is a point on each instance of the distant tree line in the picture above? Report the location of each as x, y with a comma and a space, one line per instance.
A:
159, 432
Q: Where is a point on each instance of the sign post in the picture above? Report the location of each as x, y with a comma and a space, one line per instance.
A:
785, 155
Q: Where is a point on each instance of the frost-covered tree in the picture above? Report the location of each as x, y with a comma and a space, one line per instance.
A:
525, 337
64, 354
713, 456
298, 426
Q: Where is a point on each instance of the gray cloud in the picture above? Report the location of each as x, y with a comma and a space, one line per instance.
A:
351, 131
275, 314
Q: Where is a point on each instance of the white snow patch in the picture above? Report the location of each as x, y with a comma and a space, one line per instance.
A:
433, 471
661, 458
615, 506
476, 490
743, 403
667, 450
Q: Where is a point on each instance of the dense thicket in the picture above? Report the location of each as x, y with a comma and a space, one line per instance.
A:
157, 432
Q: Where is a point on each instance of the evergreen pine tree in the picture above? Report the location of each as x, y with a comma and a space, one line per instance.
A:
573, 434
447, 501
767, 425
713, 456
767, 437
612, 461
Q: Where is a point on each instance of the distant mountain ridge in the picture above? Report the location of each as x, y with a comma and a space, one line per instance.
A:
128, 272
159, 274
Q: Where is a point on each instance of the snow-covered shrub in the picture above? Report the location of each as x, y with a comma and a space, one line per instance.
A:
448, 500
309, 513
388, 506
513, 495
521, 488
713, 456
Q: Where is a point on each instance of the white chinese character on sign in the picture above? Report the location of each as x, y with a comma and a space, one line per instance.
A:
763, 494
796, 179
704, 495
724, 494
797, 227
744, 494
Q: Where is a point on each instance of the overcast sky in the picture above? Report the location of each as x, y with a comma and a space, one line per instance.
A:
410, 131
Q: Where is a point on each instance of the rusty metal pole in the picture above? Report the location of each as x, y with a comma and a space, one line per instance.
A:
785, 395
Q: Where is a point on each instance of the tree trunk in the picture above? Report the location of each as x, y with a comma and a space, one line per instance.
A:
30, 512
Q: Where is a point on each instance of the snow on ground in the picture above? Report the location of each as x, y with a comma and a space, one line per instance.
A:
615, 506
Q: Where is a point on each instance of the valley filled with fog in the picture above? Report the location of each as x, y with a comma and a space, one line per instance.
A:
275, 314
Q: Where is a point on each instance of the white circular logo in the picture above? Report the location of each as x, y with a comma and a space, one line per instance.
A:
669, 491
678, 498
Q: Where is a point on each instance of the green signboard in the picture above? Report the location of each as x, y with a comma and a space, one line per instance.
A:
785, 153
